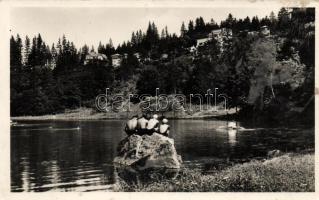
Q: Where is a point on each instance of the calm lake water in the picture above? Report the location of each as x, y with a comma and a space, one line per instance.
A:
56, 156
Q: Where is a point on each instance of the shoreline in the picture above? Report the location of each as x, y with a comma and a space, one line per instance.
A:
90, 114
290, 172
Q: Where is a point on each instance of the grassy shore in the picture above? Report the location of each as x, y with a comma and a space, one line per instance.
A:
287, 173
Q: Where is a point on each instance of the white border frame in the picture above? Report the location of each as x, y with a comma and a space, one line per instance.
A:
5, 189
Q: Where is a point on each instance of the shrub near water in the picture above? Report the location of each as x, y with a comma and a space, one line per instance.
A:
288, 173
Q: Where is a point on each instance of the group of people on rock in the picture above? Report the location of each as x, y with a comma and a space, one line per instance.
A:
143, 125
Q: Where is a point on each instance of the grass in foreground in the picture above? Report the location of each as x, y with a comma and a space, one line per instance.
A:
287, 173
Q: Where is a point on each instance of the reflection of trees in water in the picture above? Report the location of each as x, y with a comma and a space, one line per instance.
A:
232, 140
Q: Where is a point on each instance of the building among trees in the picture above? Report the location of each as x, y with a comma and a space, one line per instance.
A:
116, 60
93, 57
264, 31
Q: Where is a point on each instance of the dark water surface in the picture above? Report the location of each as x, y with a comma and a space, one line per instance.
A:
57, 156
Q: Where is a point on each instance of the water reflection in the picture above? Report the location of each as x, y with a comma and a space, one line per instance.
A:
25, 177
63, 158
232, 137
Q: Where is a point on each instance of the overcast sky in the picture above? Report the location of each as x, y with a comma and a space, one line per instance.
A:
91, 25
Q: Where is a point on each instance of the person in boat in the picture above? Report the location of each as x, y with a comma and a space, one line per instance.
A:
164, 127
231, 125
142, 125
152, 125
131, 126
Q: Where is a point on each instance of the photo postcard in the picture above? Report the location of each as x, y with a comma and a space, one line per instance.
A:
160, 97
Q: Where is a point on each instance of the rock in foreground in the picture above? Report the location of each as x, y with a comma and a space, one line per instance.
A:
145, 152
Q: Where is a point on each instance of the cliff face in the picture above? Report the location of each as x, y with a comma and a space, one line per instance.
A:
146, 152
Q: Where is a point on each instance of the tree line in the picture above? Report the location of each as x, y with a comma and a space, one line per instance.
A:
49, 79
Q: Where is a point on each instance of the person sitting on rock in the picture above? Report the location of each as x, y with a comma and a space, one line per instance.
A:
142, 125
152, 125
164, 127
131, 126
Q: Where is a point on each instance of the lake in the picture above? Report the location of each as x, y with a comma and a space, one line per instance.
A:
57, 156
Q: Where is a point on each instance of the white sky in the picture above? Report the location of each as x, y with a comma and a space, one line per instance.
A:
91, 24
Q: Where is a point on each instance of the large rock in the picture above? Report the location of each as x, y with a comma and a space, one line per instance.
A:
146, 152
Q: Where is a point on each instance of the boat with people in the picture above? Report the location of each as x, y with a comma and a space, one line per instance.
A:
232, 125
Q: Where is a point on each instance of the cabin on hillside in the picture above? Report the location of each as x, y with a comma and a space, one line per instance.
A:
138, 56
116, 60
253, 33
202, 41
264, 31
220, 34
94, 57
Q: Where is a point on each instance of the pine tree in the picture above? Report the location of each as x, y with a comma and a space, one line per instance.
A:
54, 56
283, 19
230, 21
149, 30
272, 16
19, 50
15, 52
140, 36
59, 47
246, 23
255, 24
163, 34
134, 39
100, 48
155, 32
273, 21
63, 43
111, 43
84, 52
27, 50
183, 30
166, 32
265, 22
199, 24
33, 58
190, 26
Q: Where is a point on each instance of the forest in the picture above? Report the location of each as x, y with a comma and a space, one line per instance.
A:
269, 75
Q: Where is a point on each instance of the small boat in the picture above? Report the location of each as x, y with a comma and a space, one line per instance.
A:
231, 125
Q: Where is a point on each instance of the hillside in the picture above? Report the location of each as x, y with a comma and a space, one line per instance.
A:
259, 65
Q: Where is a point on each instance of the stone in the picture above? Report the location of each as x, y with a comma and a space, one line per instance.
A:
148, 152
273, 153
